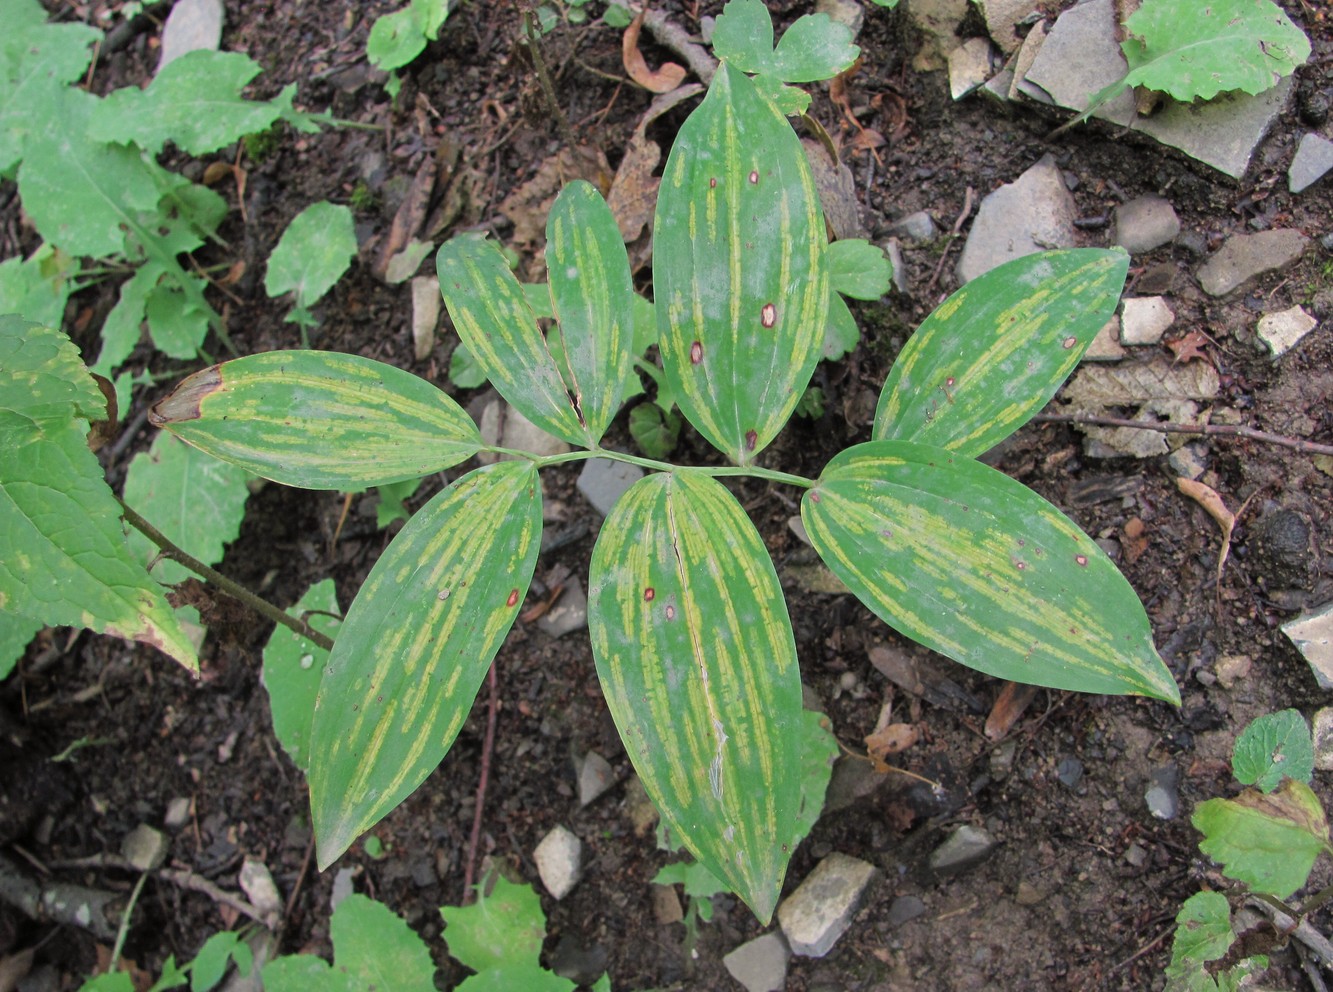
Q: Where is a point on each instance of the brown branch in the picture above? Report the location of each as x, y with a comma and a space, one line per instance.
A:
1211, 430
548, 87
492, 709
197, 883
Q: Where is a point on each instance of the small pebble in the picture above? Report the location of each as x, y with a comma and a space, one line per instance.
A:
1162, 796
1070, 772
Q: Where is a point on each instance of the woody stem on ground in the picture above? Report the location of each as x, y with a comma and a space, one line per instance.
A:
233, 589
548, 87
1210, 430
492, 711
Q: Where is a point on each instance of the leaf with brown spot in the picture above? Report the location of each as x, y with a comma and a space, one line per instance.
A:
662, 80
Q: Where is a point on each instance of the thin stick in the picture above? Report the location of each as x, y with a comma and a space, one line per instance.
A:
197, 883
548, 87
123, 930
1212, 430
492, 709
968, 199
238, 592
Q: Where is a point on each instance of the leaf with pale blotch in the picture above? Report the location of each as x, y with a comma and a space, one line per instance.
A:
992, 354
319, 420
415, 646
696, 658
740, 271
1275, 746
981, 569
1268, 841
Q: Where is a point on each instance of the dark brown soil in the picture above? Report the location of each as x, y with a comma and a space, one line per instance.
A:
1081, 892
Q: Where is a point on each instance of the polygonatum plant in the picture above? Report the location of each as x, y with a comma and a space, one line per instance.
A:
690, 633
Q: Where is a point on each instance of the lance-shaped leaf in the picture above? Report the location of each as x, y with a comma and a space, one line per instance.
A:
319, 420
739, 269
696, 658
992, 354
981, 569
415, 646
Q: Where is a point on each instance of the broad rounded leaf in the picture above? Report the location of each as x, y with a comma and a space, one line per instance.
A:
743, 35
981, 569
293, 668
992, 354
859, 269
505, 926
1274, 747
696, 658
1268, 841
1204, 930
376, 949
415, 646
739, 269
319, 420
815, 47
312, 254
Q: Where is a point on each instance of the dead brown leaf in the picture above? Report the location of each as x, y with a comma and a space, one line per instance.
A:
410, 216
1135, 540
662, 80
1189, 346
528, 205
1212, 503
892, 739
1014, 699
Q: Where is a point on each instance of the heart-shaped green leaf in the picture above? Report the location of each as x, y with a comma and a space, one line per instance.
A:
981, 569
994, 352
319, 420
696, 658
415, 646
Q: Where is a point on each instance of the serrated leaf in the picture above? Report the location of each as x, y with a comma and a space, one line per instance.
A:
196, 500
506, 926
16, 633
319, 420
993, 353
375, 949
194, 102
696, 659
44, 378
293, 667
655, 432
739, 269
981, 569
1268, 841
312, 254
859, 269
1203, 931
743, 35
697, 880
305, 973
38, 61
1273, 747
415, 646
123, 327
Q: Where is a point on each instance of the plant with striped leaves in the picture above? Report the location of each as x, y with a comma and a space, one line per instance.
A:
690, 632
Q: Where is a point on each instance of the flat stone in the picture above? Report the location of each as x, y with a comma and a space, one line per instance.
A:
1231, 668
192, 25
1105, 346
848, 13
604, 481
1031, 214
919, 226
1312, 633
965, 847
256, 881
178, 812
904, 909
1283, 330
821, 909
969, 66
1322, 728
938, 22
895, 252
1145, 223
1027, 54
1189, 460
559, 859
1313, 161
425, 315
760, 964
502, 425
1247, 256
569, 613
1002, 18
342, 886
1222, 132
1163, 795
595, 777
145, 848
1144, 319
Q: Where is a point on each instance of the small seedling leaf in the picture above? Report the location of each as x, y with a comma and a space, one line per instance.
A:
696, 658
392, 496
1269, 841
815, 47
35, 288
306, 418
981, 569
312, 254
293, 668
305, 973
992, 354
398, 38
123, 326
176, 325
841, 335
743, 36
819, 748
210, 964
655, 432
505, 927
1273, 747
859, 269
699, 882
415, 646
1203, 933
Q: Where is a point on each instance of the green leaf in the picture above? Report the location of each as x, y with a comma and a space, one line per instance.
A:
390, 506
656, 433
993, 353
398, 38
415, 646
976, 566
175, 322
319, 420
617, 16
859, 269
516, 978
305, 973
699, 882
38, 61
293, 668
377, 950
210, 964
312, 254
464, 372
695, 654
739, 269
173, 976
115, 981
819, 749
196, 500
194, 102
841, 335
505, 927
44, 378
37, 287
1268, 841
815, 47
743, 35
123, 327
16, 633
1204, 928
1273, 747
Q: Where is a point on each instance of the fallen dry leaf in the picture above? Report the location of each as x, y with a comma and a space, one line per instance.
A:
1189, 347
1014, 699
1135, 541
528, 205
410, 216
1217, 509
662, 80
633, 194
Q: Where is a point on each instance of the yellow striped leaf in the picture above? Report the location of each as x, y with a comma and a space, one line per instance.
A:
978, 567
739, 269
415, 646
696, 658
319, 420
992, 354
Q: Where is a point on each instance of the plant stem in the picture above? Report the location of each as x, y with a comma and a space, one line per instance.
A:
124, 929
1226, 430
492, 710
653, 465
261, 606
548, 87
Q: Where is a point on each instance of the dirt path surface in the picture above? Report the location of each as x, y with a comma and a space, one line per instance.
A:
1082, 887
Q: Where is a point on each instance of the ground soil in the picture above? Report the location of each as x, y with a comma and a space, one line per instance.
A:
1085, 882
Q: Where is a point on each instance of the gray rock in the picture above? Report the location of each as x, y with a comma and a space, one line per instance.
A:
1314, 160
1222, 132
1163, 796
1189, 460
846, 12
1106, 346
581, 963
821, 909
256, 881
1283, 330
1144, 319
425, 315
969, 66
1312, 633
502, 425
965, 847
342, 886
569, 613
1033, 213
1002, 17
595, 777
853, 779
904, 909
1027, 54
145, 848
559, 859
760, 964
604, 481
191, 26
1069, 771
919, 226
1323, 739
178, 813
895, 253
1247, 256
1145, 223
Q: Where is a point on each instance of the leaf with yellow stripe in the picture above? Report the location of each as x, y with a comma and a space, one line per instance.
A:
415, 645
319, 419
992, 354
739, 269
696, 658
570, 387
976, 566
